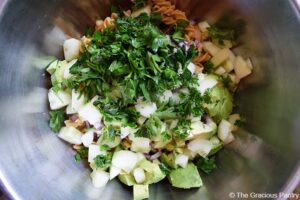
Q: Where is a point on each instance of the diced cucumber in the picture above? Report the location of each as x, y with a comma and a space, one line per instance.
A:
114, 172
87, 138
99, 178
241, 68
224, 132
220, 57
203, 26
67, 73
90, 113
58, 99
200, 146
71, 49
211, 48
140, 192
52, 67
70, 134
141, 144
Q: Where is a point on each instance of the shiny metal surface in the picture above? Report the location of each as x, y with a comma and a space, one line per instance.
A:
35, 164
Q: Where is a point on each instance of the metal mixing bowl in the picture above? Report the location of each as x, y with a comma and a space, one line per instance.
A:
35, 164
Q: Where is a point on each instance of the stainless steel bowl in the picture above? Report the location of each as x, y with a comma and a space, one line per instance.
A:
35, 164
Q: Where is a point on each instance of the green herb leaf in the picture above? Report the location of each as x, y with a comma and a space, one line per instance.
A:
56, 119
103, 161
207, 165
81, 154
164, 168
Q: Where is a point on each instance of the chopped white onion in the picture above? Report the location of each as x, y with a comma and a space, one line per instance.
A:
139, 175
181, 160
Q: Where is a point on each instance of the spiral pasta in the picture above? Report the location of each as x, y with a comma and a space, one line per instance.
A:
108, 22
170, 15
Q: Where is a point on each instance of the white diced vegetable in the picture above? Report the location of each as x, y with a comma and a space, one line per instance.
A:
71, 49
70, 110
58, 99
94, 150
191, 67
206, 82
140, 156
224, 44
99, 178
145, 108
241, 68
111, 143
77, 100
220, 71
203, 26
215, 140
224, 131
228, 65
141, 144
52, 67
146, 9
58, 75
211, 48
232, 119
67, 73
125, 160
87, 138
125, 131
141, 120
181, 160
166, 96
114, 172
90, 113
139, 175
200, 146
199, 128
70, 134
249, 63
220, 57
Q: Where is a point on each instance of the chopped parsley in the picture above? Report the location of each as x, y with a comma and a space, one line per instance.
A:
56, 119
207, 165
81, 154
103, 161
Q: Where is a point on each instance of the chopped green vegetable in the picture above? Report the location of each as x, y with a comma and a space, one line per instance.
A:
103, 161
56, 119
207, 165
81, 154
208, 67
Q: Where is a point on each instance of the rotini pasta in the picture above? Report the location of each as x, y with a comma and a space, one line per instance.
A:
108, 22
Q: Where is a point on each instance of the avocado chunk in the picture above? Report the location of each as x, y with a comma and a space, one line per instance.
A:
185, 177
127, 179
153, 172
140, 192
221, 103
